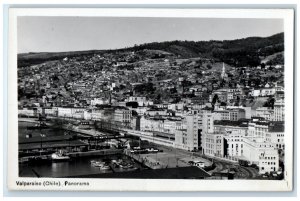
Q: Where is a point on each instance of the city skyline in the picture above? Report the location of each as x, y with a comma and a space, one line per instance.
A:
44, 34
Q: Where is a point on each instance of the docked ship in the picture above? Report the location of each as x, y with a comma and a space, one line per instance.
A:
41, 125
60, 156
36, 160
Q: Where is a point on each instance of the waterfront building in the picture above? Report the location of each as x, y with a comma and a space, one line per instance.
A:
77, 113
28, 112
186, 135
123, 116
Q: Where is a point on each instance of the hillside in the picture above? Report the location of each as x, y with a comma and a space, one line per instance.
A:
240, 52
32, 58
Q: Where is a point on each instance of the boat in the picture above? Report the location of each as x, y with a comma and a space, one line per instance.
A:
38, 160
60, 156
97, 163
38, 126
92, 162
104, 167
125, 165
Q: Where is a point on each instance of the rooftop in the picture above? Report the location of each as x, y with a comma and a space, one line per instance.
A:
239, 123
276, 127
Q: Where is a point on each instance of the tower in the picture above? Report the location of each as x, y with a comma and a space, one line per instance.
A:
223, 71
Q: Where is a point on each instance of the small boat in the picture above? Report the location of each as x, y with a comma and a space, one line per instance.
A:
130, 166
97, 163
60, 156
125, 165
104, 167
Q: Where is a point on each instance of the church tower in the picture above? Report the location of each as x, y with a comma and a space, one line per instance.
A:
223, 72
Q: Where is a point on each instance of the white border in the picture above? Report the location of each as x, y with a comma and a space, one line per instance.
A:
151, 184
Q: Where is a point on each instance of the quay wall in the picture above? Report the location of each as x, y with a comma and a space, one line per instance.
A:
96, 153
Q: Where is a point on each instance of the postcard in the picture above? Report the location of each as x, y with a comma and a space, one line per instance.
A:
150, 99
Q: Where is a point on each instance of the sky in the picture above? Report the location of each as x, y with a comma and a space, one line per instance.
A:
58, 34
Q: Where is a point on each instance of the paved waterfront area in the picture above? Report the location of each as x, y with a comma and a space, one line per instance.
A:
171, 158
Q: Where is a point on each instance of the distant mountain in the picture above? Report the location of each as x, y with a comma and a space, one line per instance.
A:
32, 58
240, 52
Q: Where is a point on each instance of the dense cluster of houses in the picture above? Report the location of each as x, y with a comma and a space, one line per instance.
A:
233, 113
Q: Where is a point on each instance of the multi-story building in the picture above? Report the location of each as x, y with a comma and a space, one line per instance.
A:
186, 136
151, 124
265, 112
208, 139
258, 128
77, 113
142, 101
123, 116
275, 135
233, 133
236, 114
279, 110
261, 153
28, 112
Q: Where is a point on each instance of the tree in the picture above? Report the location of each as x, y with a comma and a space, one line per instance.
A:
173, 90
132, 104
215, 99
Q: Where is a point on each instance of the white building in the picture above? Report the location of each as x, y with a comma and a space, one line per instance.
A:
77, 113
208, 140
279, 110
265, 112
233, 135
263, 92
98, 101
28, 112
123, 116
187, 136
275, 135
261, 153
142, 101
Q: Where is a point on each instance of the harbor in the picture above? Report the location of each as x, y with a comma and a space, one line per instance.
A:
72, 152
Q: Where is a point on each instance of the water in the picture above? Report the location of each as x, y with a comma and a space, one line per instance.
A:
75, 167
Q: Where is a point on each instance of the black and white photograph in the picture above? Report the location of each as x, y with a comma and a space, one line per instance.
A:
152, 98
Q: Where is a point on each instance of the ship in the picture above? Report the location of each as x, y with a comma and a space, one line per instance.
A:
36, 160
60, 156
38, 126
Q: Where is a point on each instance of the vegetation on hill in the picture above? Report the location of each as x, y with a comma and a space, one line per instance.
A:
239, 52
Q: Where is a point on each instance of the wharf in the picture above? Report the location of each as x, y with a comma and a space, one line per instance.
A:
152, 164
102, 152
